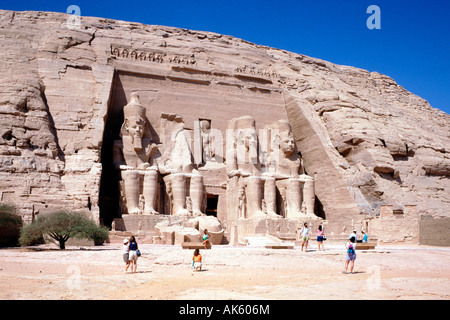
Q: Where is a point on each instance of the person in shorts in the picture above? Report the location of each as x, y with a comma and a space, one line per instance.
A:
320, 235
351, 254
132, 253
205, 239
304, 236
197, 260
126, 254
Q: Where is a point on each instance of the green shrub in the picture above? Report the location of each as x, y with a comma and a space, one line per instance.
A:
61, 225
98, 234
10, 224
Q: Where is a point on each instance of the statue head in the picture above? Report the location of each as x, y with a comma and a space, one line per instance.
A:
284, 137
287, 143
134, 120
242, 144
205, 125
246, 132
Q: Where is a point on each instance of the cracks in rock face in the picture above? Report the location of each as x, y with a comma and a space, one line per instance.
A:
92, 38
52, 127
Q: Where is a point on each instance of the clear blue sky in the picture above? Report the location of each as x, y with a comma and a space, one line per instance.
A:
412, 46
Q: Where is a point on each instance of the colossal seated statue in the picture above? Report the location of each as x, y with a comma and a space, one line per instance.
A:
280, 173
182, 180
285, 167
243, 163
133, 157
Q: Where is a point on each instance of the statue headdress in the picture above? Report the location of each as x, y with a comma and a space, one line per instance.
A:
134, 107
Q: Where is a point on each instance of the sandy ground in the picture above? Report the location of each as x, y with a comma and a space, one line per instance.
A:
164, 272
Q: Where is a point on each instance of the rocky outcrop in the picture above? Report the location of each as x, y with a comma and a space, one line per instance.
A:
366, 140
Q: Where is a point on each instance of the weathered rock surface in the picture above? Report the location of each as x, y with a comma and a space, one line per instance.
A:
177, 232
366, 140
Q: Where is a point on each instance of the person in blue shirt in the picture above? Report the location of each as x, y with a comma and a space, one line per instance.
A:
364, 237
205, 238
133, 255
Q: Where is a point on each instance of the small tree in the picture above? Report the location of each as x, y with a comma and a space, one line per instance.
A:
62, 225
96, 233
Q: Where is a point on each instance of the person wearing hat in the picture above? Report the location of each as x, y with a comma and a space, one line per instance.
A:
126, 254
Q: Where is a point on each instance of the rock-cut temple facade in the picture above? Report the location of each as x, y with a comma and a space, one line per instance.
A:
148, 128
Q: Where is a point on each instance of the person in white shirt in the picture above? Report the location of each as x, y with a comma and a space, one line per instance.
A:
126, 254
304, 236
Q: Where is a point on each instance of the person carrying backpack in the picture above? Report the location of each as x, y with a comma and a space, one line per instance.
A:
351, 254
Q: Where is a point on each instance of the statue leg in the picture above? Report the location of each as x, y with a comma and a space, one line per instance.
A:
150, 191
294, 199
179, 194
309, 195
254, 197
131, 185
270, 197
196, 192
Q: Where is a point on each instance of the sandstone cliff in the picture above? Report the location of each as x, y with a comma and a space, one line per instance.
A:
365, 139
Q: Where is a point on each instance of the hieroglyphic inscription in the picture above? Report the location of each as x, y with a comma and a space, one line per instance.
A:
151, 56
256, 72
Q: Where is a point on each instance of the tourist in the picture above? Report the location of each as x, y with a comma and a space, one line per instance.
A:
353, 235
197, 260
304, 234
320, 235
126, 257
364, 240
205, 238
133, 255
351, 254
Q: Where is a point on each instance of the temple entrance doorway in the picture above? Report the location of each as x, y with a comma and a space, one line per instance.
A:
211, 204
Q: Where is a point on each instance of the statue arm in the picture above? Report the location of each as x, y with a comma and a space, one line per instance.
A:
151, 150
165, 167
231, 163
280, 176
118, 159
302, 168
